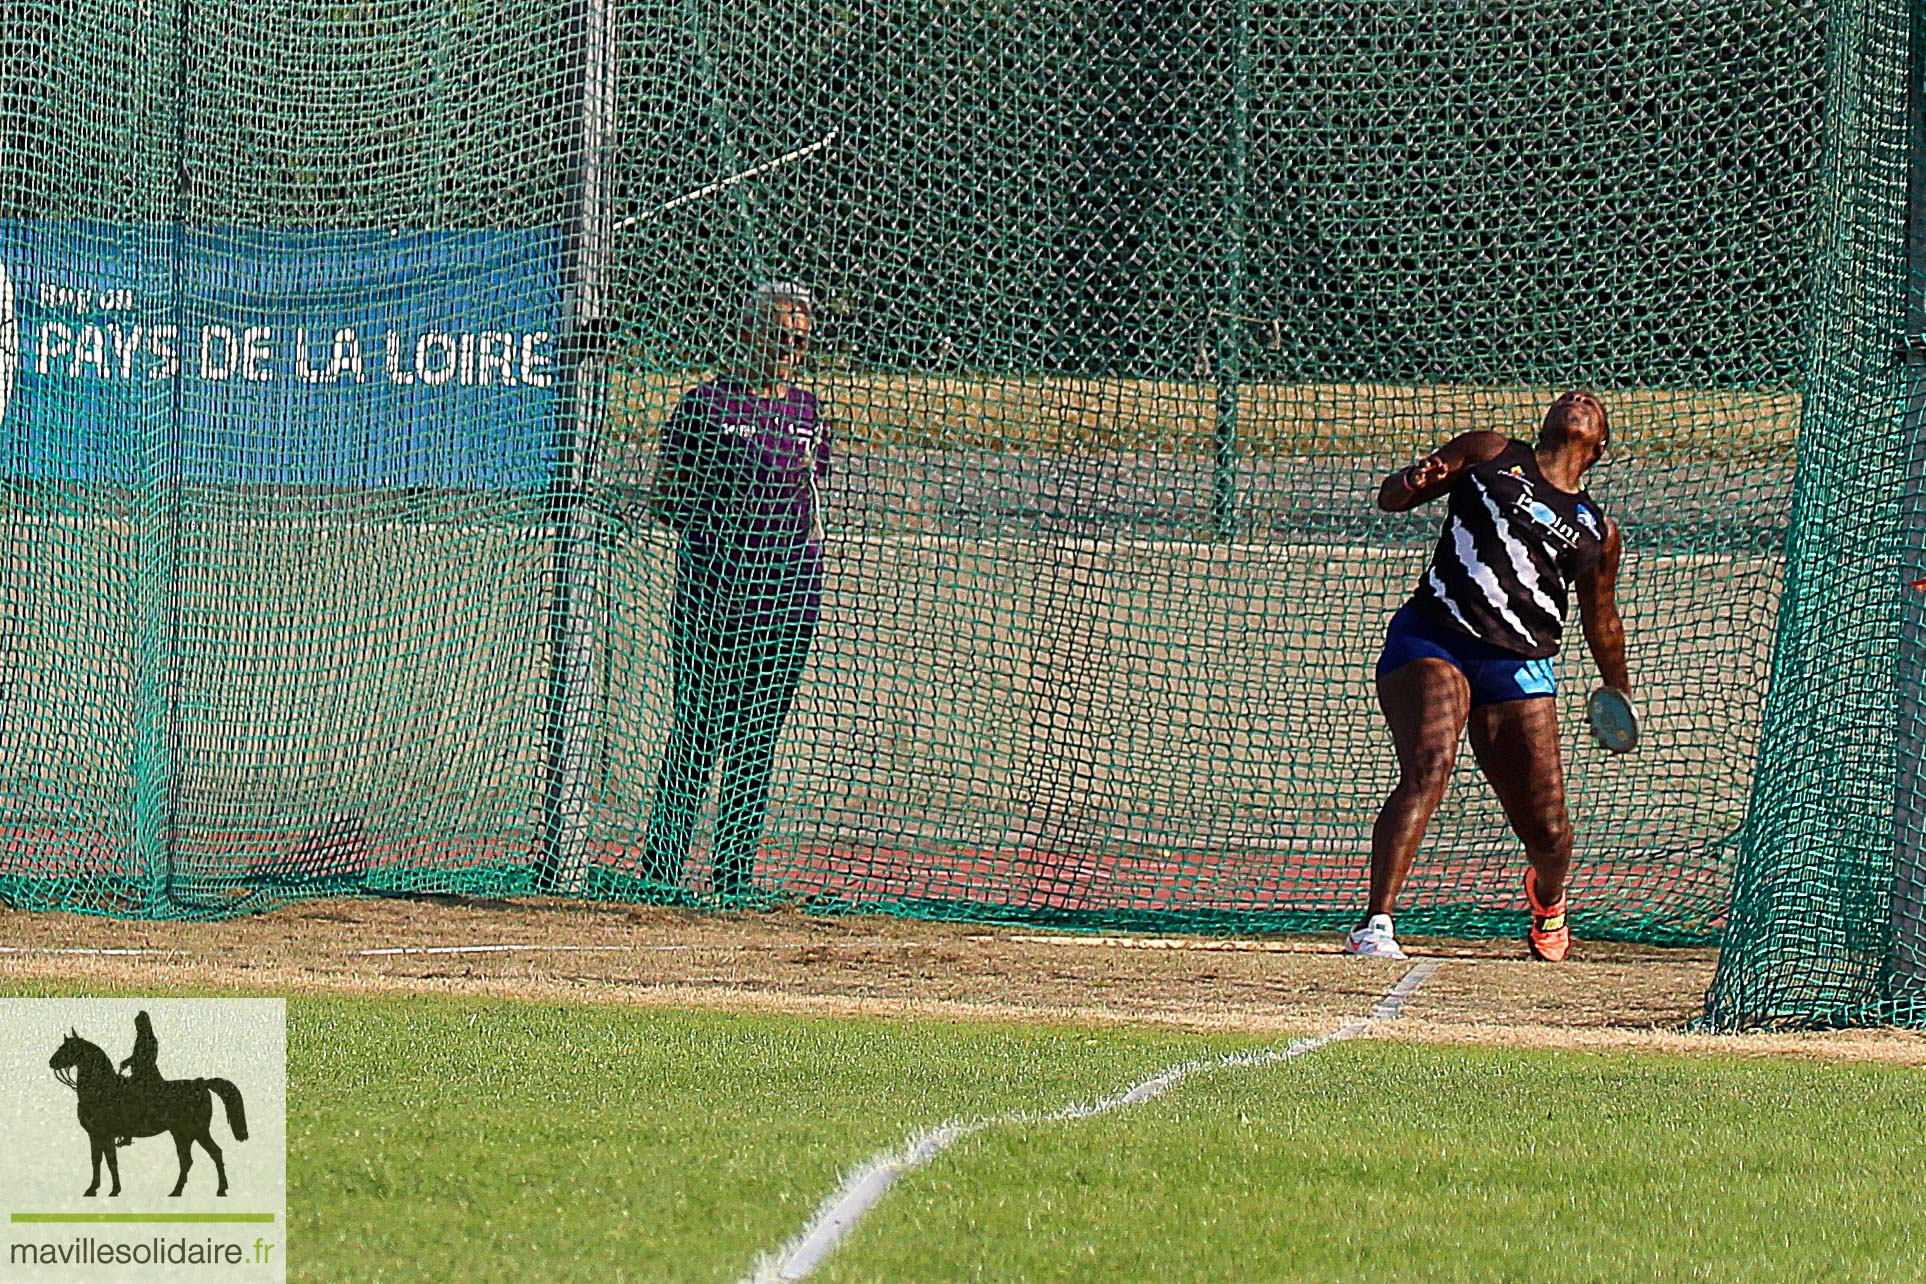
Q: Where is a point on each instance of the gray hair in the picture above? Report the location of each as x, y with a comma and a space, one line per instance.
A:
761, 302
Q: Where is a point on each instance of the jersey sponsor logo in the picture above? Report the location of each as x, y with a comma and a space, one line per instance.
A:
1587, 519
1540, 512
748, 428
1554, 525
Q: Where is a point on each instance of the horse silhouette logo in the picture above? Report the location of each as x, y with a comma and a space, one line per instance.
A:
115, 1108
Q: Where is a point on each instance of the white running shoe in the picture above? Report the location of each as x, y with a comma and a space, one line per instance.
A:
1374, 940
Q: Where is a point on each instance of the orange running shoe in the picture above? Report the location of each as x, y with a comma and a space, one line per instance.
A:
1549, 939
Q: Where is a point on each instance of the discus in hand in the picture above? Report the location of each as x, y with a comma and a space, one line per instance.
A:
1614, 720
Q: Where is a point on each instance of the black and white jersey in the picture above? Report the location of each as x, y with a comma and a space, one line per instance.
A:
1512, 547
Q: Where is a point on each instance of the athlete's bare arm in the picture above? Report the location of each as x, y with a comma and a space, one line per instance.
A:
1598, 606
1430, 477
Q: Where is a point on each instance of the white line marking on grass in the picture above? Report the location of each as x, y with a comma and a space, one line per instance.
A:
36, 949
395, 951
864, 1188
1170, 943
391, 950
1391, 1006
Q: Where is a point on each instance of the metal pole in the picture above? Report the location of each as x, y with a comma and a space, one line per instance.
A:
156, 570
1907, 962
1229, 366
571, 720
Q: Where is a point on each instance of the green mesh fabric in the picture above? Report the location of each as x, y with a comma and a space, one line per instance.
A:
1121, 311
1815, 907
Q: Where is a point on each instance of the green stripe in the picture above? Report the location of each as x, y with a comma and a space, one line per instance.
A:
127, 1218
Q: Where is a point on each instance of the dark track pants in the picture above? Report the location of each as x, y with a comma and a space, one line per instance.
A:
739, 635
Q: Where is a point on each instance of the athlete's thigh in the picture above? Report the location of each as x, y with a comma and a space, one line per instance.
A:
1425, 702
1516, 744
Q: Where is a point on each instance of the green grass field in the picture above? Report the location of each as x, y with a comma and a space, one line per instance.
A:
1377, 1160
534, 1142
438, 1138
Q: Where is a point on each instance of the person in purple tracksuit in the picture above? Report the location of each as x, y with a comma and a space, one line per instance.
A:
736, 479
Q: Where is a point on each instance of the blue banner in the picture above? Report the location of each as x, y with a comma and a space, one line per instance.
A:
279, 357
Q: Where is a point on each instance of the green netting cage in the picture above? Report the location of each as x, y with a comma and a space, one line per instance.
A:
353, 540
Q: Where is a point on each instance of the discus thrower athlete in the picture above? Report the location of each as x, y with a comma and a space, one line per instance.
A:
1474, 646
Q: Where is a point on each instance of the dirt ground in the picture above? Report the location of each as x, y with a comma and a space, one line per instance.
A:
1608, 996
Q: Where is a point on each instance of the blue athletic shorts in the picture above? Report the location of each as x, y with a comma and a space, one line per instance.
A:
1496, 675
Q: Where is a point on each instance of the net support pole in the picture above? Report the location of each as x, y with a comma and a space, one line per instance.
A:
1232, 303
574, 568
155, 694
1907, 963
156, 566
